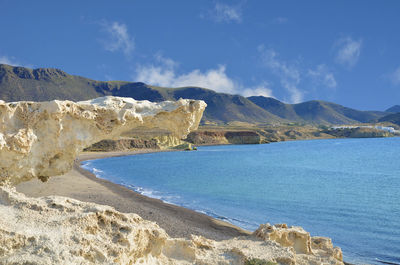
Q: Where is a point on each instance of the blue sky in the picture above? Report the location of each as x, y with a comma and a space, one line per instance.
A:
347, 52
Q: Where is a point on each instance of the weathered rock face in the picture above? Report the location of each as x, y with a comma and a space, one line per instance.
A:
42, 139
207, 137
294, 237
358, 132
243, 137
223, 137
319, 248
59, 230
122, 145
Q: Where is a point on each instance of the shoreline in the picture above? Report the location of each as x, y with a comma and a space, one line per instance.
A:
100, 155
177, 221
83, 185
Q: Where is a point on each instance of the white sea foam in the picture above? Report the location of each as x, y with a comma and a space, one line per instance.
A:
171, 199
97, 171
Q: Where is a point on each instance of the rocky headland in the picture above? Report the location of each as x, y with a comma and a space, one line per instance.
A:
223, 135
39, 140
213, 137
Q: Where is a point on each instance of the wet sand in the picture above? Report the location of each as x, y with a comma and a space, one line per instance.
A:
82, 185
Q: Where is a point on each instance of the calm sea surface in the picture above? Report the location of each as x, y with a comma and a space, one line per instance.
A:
346, 189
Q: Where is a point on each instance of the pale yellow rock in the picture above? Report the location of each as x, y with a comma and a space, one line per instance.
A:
42, 139
59, 230
294, 236
309, 250
325, 244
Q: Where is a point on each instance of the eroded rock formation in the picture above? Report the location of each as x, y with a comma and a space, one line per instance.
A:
59, 230
223, 137
295, 237
123, 145
42, 139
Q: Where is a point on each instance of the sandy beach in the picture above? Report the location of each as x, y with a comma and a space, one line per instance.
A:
82, 185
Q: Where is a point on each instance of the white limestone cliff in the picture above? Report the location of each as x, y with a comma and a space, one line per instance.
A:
295, 237
41, 139
60, 230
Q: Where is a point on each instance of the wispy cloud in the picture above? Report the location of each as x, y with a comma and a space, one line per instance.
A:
321, 76
261, 90
347, 51
280, 20
8, 60
164, 73
294, 76
165, 61
118, 37
395, 76
11, 60
224, 13
289, 74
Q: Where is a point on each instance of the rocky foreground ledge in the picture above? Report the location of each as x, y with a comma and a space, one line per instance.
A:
42, 139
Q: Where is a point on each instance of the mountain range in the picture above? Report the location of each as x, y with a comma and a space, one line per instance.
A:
393, 118
21, 83
394, 109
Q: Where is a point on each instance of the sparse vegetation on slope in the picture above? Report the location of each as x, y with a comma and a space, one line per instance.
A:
20, 83
393, 118
394, 109
315, 111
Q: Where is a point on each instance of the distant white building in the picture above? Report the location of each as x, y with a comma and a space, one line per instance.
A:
382, 128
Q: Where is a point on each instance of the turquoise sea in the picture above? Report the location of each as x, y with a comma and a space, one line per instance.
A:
345, 189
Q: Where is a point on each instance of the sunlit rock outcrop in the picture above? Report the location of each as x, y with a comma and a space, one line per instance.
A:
307, 248
59, 230
42, 139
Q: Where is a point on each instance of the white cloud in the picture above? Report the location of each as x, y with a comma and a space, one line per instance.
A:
348, 51
167, 62
395, 76
289, 74
321, 76
280, 20
118, 38
10, 60
215, 79
293, 76
225, 13
164, 73
260, 90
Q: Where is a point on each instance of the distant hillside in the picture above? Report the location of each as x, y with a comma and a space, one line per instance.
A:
226, 107
393, 118
394, 109
315, 111
276, 107
20, 83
